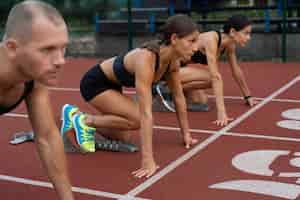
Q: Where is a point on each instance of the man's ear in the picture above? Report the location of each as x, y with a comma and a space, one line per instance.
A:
11, 46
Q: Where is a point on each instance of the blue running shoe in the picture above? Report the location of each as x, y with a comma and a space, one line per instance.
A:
85, 135
67, 112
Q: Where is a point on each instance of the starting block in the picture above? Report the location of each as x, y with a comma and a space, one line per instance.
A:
101, 144
23, 136
28, 136
71, 145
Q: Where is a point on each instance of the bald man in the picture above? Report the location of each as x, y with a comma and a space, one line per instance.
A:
31, 57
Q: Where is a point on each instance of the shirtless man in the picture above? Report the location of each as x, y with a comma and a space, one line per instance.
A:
31, 56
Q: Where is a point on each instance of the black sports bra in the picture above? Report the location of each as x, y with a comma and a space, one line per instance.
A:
27, 90
126, 78
201, 58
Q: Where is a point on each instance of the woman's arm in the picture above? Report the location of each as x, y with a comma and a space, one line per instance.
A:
144, 74
238, 75
211, 49
174, 84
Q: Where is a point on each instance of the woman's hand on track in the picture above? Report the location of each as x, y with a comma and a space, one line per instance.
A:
148, 168
189, 141
223, 120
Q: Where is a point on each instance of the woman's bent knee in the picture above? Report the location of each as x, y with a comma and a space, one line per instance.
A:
134, 124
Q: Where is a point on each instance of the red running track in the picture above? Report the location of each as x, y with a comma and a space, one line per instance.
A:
251, 158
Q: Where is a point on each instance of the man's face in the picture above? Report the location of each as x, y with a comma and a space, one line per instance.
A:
42, 57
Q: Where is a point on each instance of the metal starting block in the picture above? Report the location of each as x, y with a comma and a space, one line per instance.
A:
23, 136
72, 146
114, 145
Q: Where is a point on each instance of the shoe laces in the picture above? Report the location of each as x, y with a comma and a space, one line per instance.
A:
88, 134
72, 112
69, 123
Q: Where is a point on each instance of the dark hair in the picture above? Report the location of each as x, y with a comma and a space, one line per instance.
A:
152, 45
238, 22
180, 24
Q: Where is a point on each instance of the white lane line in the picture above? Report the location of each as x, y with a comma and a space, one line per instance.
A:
247, 135
74, 189
288, 139
169, 128
64, 89
287, 100
205, 143
132, 92
16, 115
259, 99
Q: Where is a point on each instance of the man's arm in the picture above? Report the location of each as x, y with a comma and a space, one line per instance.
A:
48, 141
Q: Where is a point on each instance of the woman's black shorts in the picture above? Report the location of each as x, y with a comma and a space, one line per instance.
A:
95, 82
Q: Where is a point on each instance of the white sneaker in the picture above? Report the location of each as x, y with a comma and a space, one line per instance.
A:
165, 97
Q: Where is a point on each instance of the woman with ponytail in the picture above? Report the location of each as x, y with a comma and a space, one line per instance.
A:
101, 87
202, 72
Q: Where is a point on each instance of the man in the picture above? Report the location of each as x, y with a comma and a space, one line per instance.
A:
31, 56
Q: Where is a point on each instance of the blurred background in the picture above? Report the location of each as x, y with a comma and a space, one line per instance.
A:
102, 28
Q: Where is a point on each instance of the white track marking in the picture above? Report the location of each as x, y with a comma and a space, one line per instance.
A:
293, 114
169, 128
177, 162
247, 135
289, 124
74, 189
64, 89
258, 98
16, 115
206, 142
199, 131
286, 100
132, 92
